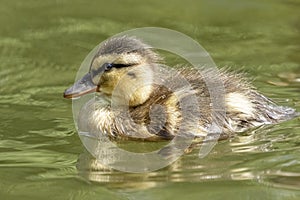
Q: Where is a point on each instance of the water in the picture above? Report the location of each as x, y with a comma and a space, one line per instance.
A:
42, 44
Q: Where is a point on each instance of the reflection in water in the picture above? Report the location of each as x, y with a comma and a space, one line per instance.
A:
260, 155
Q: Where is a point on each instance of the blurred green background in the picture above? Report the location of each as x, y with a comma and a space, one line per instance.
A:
42, 44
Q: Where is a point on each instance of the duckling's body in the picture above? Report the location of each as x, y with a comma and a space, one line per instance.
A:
137, 100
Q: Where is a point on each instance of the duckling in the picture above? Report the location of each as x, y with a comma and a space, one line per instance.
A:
130, 104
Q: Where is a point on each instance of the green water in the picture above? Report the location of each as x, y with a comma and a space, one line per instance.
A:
43, 42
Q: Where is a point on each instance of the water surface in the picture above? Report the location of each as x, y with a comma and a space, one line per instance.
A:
42, 44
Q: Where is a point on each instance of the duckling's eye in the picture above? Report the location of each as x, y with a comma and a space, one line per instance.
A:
108, 66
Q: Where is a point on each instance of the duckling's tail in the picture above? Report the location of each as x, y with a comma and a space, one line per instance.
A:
281, 113
275, 112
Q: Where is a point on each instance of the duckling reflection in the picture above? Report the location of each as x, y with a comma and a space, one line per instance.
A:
91, 170
126, 62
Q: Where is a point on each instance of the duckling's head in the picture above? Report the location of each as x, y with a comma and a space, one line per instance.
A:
122, 67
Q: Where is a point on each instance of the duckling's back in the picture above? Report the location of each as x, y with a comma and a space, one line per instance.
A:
244, 107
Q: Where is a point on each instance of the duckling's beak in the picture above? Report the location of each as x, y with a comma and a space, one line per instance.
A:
83, 86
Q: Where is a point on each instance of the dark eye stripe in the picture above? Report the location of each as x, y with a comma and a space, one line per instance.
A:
107, 67
120, 65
